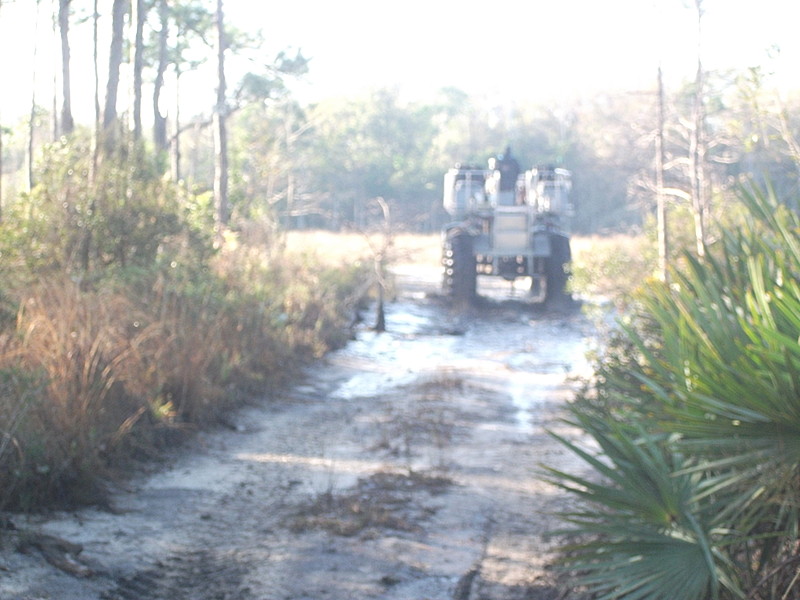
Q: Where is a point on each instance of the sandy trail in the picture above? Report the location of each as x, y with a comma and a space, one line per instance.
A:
403, 467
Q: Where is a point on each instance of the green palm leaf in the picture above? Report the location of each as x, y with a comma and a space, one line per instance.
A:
698, 426
642, 522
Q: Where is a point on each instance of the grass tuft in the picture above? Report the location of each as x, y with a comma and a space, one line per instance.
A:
95, 376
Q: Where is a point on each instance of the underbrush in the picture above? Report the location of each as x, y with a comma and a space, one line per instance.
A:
127, 320
604, 268
95, 376
610, 268
693, 422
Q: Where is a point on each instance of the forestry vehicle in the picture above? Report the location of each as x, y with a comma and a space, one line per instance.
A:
509, 224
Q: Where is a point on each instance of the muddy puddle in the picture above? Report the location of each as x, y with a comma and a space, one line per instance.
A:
404, 466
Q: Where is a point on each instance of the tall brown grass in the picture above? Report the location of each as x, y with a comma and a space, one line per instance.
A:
606, 267
91, 378
611, 267
77, 351
95, 376
342, 248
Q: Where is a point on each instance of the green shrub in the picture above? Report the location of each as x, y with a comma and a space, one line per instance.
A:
697, 416
122, 215
107, 369
121, 323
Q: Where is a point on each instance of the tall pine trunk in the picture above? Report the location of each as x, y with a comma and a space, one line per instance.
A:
661, 204
67, 122
86, 242
159, 121
32, 116
697, 166
97, 115
175, 142
697, 146
138, 16
220, 128
114, 64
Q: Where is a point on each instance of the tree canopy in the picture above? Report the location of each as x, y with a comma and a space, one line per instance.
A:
321, 164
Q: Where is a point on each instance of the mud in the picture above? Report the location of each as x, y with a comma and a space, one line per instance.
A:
404, 466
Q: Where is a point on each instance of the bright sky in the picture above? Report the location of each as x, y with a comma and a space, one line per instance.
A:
533, 50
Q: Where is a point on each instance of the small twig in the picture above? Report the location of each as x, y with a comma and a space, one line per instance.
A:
775, 572
60, 553
791, 585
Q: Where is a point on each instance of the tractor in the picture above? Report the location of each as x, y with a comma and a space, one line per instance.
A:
507, 223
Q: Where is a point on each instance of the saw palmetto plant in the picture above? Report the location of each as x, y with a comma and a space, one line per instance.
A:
696, 415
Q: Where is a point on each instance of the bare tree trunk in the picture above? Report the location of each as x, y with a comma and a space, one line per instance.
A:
176, 139
380, 257
159, 121
54, 116
696, 169
1, 156
67, 122
138, 15
697, 148
114, 63
32, 117
97, 115
86, 242
661, 208
1, 169
220, 130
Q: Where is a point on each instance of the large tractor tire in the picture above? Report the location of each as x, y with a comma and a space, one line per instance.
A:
556, 274
460, 274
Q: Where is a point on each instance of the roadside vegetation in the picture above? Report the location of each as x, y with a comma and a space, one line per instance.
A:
607, 269
150, 282
126, 323
693, 412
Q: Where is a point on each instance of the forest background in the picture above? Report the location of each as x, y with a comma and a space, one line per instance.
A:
321, 162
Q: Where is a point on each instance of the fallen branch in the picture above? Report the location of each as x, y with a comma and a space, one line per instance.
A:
60, 553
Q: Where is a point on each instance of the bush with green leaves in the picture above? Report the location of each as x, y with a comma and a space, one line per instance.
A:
90, 221
694, 491
123, 326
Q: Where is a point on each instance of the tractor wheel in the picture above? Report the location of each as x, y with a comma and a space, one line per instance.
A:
460, 275
556, 275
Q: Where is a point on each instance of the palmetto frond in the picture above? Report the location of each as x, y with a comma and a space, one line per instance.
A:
704, 486
641, 525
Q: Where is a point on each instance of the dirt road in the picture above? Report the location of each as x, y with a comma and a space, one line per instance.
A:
402, 467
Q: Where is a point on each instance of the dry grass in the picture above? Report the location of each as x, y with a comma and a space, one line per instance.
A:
607, 267
80, 348
611, 267
345, 248
90, 377
384, 500
602, 266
